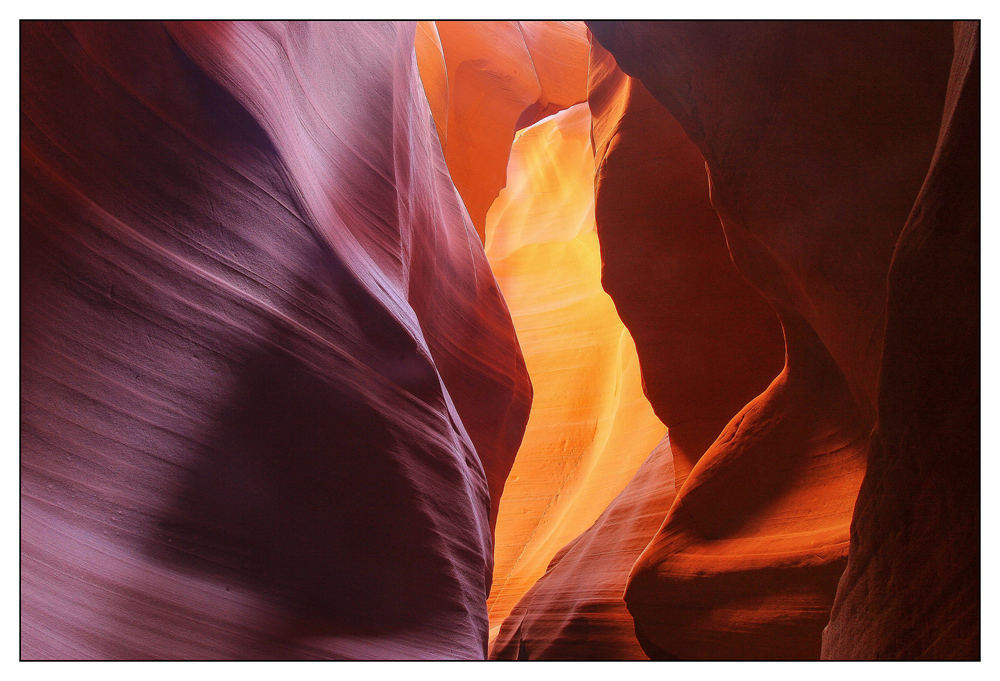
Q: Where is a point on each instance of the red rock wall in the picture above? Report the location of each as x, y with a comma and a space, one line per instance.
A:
261, 349
708, 342
816, 137
911, 588
820, 158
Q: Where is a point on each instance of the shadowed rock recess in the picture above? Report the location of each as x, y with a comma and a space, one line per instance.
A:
500, 339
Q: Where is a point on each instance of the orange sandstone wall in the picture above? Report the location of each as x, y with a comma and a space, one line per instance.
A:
487, 79
707, 342
575, 611
590, 426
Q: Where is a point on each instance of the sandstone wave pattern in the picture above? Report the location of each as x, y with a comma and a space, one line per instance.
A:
508, 340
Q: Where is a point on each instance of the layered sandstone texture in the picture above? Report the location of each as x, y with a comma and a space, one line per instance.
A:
707, 342
813, 176
575, 611
590, 426
283, 285
269, 386
487, 79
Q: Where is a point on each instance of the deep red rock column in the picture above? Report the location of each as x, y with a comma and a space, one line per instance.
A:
911, 588
707, 341
816, 137
268, 384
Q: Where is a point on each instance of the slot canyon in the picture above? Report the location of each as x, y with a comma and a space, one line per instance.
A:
510, 340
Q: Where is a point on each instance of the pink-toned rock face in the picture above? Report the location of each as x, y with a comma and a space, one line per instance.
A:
282, 285
262, 348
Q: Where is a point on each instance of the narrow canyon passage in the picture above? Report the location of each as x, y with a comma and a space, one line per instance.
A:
590, 426
535, 340
776, 498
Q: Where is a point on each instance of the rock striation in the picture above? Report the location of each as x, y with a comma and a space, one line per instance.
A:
590, 426
575, 611
269, 386
707, 342
283, 285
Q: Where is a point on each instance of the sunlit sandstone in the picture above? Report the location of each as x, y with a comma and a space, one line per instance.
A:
590, 426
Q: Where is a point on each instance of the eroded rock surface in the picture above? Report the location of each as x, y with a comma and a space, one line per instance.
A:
575, 611
707, 342
590, 426
271, 390
268, 382
487, 79
813, 173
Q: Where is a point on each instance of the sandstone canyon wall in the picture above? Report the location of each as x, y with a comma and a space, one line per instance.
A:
911, 589
283, 286
707, 343
813, 173
487, 79
269, 386
590, 426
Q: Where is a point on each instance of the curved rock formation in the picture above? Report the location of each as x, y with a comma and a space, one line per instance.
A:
813, 175
747, 561
261, 349
911, 587
282, 285
821, 161
590, 426
496, 77
575, 611
707, 342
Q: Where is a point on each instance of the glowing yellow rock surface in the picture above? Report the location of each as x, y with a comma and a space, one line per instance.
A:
590, 426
